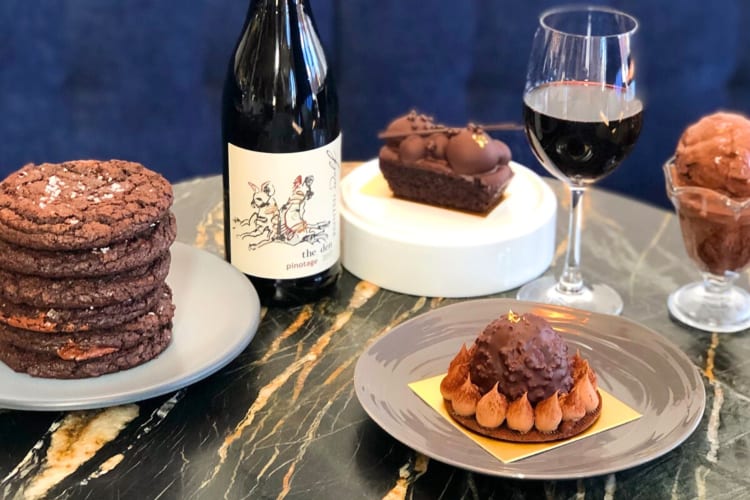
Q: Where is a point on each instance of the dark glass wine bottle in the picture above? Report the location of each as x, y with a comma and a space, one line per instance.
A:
282, 151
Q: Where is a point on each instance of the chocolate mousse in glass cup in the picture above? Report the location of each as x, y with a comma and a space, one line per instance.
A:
708, 181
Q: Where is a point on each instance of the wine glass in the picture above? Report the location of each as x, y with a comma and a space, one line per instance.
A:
582, 116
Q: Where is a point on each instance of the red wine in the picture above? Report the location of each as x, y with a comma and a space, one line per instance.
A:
282, 153
581, 131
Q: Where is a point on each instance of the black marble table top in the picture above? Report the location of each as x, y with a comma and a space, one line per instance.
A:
283, 421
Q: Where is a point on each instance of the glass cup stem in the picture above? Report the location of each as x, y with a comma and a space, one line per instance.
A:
713, 304
571, 279
718, 286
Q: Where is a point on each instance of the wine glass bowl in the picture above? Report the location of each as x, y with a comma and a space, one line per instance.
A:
582, 117
581, 146
716, 232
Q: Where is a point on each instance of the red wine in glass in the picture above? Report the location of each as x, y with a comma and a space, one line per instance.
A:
583, 113
581, 131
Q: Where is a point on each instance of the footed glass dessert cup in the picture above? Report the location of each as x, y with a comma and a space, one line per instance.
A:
716, 232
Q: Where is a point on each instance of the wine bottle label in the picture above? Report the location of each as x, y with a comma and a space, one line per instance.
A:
283, 211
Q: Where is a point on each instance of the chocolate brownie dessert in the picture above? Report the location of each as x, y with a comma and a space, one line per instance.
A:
141, 249
84, 292
460, 168
80, 204
51, 320
517, 383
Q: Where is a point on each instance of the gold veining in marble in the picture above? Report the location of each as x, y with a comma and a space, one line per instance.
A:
363, 292
677, 480
408, 475
107, 466
712, 431
714, 420
418, 305
308, 438
610, 487
79, 437
436, 301
303, 317
580, 489
643, 256
302, 366
701, 472
708, 370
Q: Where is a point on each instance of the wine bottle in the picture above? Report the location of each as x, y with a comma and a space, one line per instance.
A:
282, 151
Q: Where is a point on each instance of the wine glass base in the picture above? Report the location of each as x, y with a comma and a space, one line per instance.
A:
596, 298
728, 312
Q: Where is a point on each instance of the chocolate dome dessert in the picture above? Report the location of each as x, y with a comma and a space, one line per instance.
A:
518, 383
461, 168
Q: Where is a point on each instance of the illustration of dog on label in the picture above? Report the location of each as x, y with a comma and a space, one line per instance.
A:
270, 223
264, 219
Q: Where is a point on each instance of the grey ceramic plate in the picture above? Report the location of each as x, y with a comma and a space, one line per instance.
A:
217, 314
635, 364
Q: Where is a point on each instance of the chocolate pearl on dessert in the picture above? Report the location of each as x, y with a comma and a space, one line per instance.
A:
500, 151
407, 124
436, 144
412, 148
468, 153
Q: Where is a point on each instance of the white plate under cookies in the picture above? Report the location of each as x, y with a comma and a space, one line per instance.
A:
424, 250
217, 313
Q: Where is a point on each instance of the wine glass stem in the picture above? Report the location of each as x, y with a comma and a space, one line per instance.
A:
571, 280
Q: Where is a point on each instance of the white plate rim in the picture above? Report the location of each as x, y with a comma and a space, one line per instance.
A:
162, 375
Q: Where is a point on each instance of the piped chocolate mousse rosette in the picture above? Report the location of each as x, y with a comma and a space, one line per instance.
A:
460, 168
517, 383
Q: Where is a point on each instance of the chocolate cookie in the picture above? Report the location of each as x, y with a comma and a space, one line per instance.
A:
84, 292
52, 366
80, 204
84, 345
51, 320
90, 354
118, 257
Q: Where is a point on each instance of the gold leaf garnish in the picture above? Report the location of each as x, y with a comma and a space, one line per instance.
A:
513, 317
481, 139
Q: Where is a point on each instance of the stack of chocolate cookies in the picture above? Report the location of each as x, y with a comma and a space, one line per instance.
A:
84, 254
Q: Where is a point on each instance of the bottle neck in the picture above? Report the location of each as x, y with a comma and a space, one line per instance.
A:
289, 25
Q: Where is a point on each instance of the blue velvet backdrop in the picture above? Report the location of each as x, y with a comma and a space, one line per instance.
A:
141, 79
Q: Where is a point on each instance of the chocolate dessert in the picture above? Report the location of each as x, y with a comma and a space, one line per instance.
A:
460, 168
714, 153
87, 252
518, 383
709, 183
